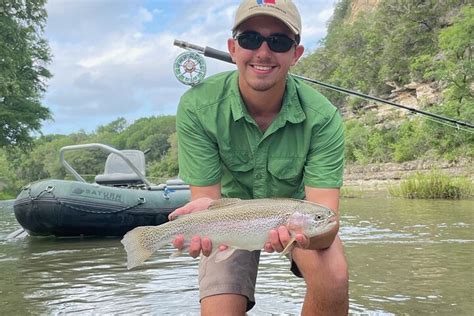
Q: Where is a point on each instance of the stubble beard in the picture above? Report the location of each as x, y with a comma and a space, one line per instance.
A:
261, 86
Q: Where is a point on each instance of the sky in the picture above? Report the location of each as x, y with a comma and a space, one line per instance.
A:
114, 58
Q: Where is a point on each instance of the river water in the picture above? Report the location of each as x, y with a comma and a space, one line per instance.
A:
406, 257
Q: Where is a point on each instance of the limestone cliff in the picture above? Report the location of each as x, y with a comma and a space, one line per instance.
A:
358, 6
416, 95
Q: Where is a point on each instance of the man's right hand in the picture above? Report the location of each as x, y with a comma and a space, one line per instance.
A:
196, 244
196, 205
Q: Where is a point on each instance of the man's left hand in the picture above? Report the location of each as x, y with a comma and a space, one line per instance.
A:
279, 238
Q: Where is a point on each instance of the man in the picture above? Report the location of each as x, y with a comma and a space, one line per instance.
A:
258, 132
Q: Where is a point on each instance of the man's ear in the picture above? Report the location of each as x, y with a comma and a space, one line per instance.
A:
231, 48
299, 50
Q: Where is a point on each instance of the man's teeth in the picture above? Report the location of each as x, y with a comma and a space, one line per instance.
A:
264, 68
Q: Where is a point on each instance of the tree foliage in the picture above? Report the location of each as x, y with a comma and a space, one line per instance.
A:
19, 166
168, 164
24, 54
402, 41
398, 43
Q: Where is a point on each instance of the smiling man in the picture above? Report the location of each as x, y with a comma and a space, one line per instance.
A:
258, 132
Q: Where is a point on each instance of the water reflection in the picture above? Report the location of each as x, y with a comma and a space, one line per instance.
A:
405, 257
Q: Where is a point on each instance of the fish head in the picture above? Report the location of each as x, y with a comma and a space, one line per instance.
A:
311, 219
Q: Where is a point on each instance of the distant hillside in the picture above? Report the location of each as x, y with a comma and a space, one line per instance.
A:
417, 54
360, 7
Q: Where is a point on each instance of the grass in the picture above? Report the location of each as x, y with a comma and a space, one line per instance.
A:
351, 192
6, 196
433, 185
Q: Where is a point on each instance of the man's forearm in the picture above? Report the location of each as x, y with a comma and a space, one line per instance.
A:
212, 192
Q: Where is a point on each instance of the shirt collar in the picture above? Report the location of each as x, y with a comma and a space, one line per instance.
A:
237, 104
291, 109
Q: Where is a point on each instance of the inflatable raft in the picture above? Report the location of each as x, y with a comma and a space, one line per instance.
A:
119, 200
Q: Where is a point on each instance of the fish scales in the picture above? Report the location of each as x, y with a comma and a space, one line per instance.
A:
239, 224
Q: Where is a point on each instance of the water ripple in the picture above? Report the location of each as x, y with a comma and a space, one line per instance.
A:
405, 257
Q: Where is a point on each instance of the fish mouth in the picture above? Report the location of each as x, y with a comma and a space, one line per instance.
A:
331, 222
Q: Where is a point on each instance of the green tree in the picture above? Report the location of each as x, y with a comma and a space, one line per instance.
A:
149, 133
114, 127
168, 166
357, 135
397, 43
24, 54
19, 166
8, 181
110, 134
454, 66
412, 141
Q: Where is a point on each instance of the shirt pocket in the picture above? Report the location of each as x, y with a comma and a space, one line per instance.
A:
286, 171
238, 161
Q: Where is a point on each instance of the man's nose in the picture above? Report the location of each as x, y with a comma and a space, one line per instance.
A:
264, 49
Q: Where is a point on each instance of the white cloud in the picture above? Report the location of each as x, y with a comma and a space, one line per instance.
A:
115, 57
144, 15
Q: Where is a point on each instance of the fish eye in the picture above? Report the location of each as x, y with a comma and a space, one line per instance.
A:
319, 217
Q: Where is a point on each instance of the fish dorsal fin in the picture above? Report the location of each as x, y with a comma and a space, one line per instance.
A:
223, 202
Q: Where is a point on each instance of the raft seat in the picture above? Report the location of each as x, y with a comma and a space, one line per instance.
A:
117, 172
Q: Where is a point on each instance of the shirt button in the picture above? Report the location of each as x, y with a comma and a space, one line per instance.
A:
258, 176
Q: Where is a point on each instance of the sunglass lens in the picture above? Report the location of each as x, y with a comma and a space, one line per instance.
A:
280, 43
250, 40
253, 40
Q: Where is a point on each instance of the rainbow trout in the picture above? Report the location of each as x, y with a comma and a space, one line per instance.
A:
239, 224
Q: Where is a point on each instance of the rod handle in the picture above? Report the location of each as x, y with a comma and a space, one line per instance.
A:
217, 54
207, 51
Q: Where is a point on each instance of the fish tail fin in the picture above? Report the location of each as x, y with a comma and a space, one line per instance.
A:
137, 247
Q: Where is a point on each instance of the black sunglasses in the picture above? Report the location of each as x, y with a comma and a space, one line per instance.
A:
279, 43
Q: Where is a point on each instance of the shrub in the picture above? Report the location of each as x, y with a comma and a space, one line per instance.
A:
433, 185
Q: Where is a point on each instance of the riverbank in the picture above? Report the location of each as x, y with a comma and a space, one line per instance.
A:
3, 194
380, 175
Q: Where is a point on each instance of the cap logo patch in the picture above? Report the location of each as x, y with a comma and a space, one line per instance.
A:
263, 2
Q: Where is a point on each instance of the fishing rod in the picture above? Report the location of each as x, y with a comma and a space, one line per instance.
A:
190, 69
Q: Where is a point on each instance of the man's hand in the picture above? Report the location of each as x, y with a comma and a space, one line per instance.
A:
197, 245
279, 238
191, 207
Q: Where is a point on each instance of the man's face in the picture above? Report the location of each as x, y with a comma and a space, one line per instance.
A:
263, 69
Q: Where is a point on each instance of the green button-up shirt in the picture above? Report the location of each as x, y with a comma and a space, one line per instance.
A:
218, 141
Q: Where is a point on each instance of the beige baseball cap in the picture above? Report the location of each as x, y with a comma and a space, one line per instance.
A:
284, 10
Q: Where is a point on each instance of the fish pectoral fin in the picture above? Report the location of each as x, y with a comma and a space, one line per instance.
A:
221, 255
223, 202
289, 247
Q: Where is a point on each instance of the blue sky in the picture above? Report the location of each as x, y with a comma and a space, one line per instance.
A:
114, 58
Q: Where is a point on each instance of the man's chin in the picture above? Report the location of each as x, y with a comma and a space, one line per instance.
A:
261, 85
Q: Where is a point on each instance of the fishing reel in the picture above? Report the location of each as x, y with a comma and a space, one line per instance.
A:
190, 68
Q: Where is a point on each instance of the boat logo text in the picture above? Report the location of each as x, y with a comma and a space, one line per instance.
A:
97, 194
